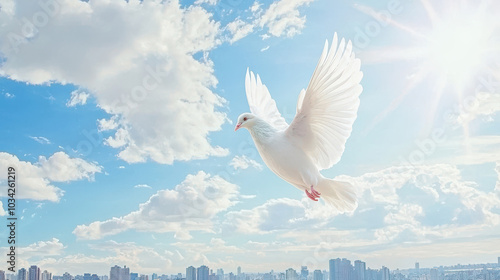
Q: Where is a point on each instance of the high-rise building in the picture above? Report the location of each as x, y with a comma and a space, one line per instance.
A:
22, 274
34, 273
134, 276
385, 273
317, 275
434, 274
304, 272
417, 268
46, 275
118, 273
341, 269
220, 274
191, 273
87, 276
2, 275
202, 273
291, 274
239, 270
67, 276
143, 277
359, 270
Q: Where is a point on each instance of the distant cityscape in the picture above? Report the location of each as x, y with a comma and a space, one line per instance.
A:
339, 269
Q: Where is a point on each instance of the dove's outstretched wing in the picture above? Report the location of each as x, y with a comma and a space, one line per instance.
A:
261, 104
327, 110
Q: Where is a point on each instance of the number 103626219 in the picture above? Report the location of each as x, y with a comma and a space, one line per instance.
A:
11, 182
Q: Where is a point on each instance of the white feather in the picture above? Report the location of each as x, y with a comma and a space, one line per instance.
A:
316, 138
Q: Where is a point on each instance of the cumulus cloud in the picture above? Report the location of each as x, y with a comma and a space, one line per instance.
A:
78, 97
243, 162
140, 68
484, 105
281, 18
405, 203
35, 181
190, 206
239, 29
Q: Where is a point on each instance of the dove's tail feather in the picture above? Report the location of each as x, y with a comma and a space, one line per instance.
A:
340, 195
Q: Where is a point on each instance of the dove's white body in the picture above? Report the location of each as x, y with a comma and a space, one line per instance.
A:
284, 157
316, 138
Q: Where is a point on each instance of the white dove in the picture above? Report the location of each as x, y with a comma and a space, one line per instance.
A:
315, 140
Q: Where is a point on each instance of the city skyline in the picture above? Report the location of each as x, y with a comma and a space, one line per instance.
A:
339, 269
118, 118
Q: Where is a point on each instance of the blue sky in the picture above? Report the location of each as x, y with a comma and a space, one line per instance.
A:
119, 118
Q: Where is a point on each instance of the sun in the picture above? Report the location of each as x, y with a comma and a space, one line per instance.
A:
452, 43
457, 47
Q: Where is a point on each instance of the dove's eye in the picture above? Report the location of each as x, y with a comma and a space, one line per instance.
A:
245, 119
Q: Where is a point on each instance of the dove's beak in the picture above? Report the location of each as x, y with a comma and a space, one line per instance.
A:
237, 126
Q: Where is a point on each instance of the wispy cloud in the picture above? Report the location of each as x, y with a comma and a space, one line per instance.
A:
243, 162
78, 97
142, 186
41, 139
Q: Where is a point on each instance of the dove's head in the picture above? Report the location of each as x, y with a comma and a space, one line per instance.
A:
246, 120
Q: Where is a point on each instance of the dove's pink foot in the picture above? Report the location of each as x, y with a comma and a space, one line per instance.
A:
313, 195
315, 192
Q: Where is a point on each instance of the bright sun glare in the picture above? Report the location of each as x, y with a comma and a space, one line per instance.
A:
457, 47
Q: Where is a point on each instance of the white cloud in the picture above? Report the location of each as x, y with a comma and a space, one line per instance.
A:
108, 124
142, 186
40, 139
243, 162
61, 168
78, 97
140, 68
283, 18
264, 48
484, 105
50, 255
209, 2
190, 206
9, 95
239, 29
35, 180
2, 211
406, 203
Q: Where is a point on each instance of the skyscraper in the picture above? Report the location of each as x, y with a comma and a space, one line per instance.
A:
67, 276
304, 273
22, 274
2, 275
239, 270
134, 276
191, 273
318, 275
341, 269
385, 273
202, 273
46, 275
34, 273
334, 267
417, 268
220, 274
434, 275
359, 270
118, 273
291, 274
